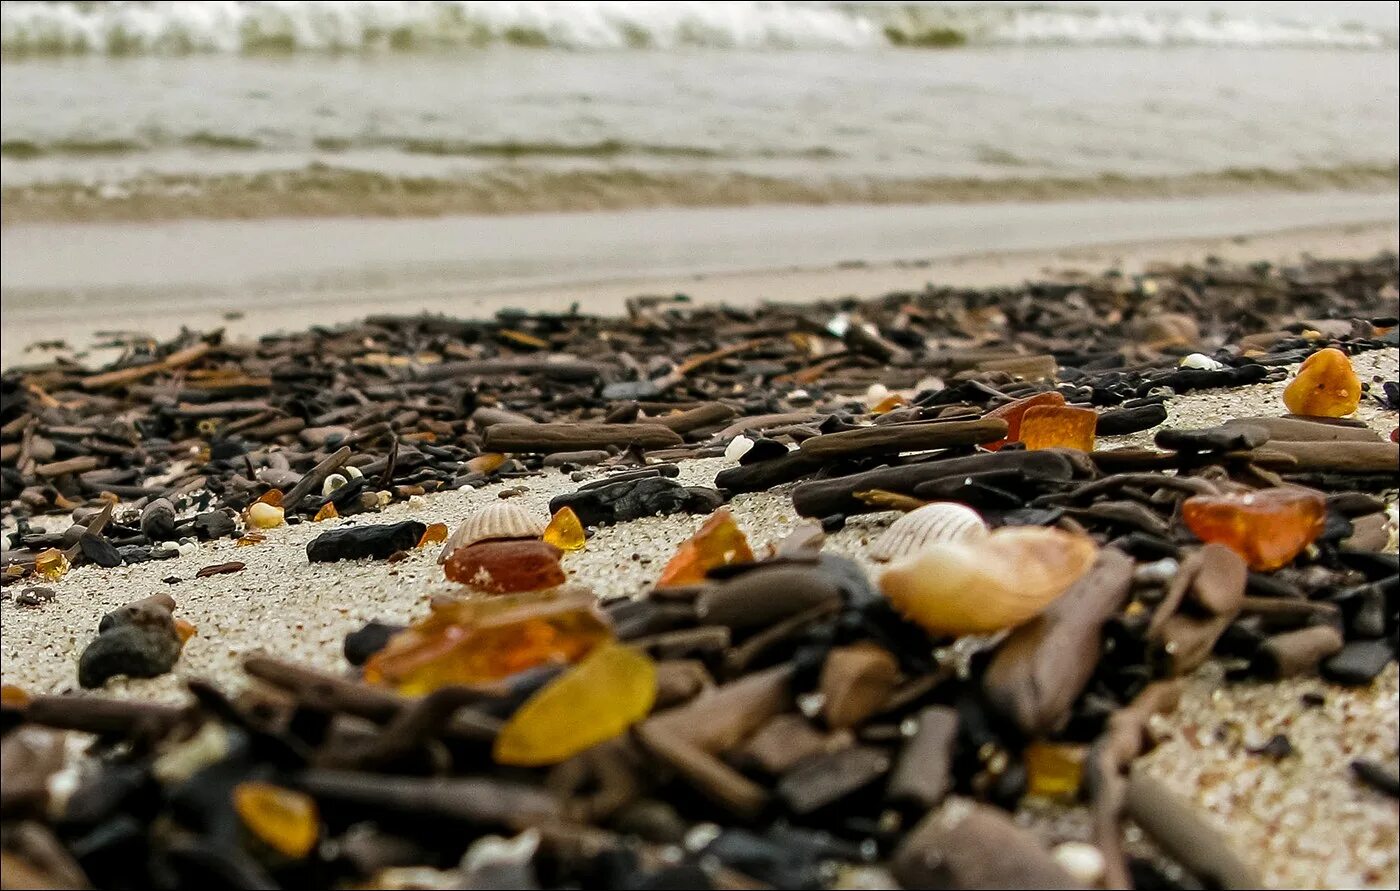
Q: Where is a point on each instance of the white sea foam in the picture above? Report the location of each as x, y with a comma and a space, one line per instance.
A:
230, 26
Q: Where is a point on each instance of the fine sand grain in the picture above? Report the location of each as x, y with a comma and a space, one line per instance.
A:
1303, 820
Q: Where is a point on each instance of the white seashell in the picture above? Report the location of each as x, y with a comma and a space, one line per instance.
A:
333, 482
1201, 362
503, 519
941, 521
353, 472
738, 447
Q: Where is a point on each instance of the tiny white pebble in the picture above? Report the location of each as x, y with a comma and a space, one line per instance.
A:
353, 473
1081, 860
188, 548
417, 502
1201, 362
738, 447
875, 394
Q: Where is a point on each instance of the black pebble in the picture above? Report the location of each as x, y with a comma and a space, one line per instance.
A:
358, 542
361, 644
1358, 663
100, 551
1377, 777
1278, 746
1131, 420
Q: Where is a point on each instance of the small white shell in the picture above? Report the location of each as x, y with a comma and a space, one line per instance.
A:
503, 519
333, 482
941, 521
738, 447
1202, 362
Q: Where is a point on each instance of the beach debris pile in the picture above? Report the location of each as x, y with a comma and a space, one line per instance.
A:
766, 716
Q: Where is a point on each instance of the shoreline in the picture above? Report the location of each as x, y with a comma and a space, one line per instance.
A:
256, 278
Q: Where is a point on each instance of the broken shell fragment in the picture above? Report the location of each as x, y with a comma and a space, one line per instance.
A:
497, 521
941, 521
989, 584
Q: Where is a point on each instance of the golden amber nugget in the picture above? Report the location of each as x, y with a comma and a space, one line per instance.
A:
473, 642
565, 531
506, 567
1053, 770
1059, 427
718, 543
592, 702
1013, 413
52, 564
285, 820
1267, 528
1326, 386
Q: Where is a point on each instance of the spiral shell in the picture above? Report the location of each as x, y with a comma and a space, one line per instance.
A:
988, 584
941, 521
503, 519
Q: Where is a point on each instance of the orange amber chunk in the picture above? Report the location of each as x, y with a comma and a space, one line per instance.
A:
486, 463
327, 512
435, 533
1059, 427
249, 539
1013, 413
13, 696
1053, 770
719, 542
565, 531
272, 497
283, 819
506, 567
889, 404
474, 642
1267, 528
592, 702
1326, 386
52, 564
185, 630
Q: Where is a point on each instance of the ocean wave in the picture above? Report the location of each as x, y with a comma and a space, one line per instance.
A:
253, 26
322, 190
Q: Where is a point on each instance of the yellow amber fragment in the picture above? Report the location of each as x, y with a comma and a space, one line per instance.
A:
285, 820
565, 531
1059, 427
250, 539
264, 515
486, 463
434, 533
327, 512
470, 642
185, 630
1013, 412
719, 542
1267, 528
271, 496
1326, 386
887, 500
889, 404
52, 564
592, 702
1053, 770
13, 696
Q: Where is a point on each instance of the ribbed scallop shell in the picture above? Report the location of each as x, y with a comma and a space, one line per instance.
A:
503, 519
941, 521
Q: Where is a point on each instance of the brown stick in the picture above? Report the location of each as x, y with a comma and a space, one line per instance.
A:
137, 372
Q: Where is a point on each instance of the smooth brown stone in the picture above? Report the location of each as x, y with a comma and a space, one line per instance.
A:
1183, 833
822, 498
483, 801
1368, 533
923, 772
487, 416
1041, 668
822, 781
762, 422
1299, 430
915, 436
1298, 652
586, 457
678, 681
1342, 457
766, 595
573, 437
965, 844
702, 416
781, 743
1219, 582
856, 681
1187, 641
80, 464
1127, 460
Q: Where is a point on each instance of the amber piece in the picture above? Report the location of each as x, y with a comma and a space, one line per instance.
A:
52, 564
1326, 386
283, 819
1013, 412
1267, 528
565, 531
1053, 770
327, 512
185, 630
887, 500
13, 696
609, 691
506, 567
249, 539
271, 496
1059, 427
719, 542
888, 404
477, 641
435, 533
486, 463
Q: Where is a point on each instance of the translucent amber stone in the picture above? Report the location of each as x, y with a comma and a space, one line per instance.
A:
435, 533
51, 564
477, 641
264, 515
1054, 427
327, 512
1013, 412
718, 543
888, 404
1326, 386
609, 691
506, 567
250, 539
1053, 770
565, 531
13, 696
486, 463
184, 630
1267, 528
272, 497
285, 820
